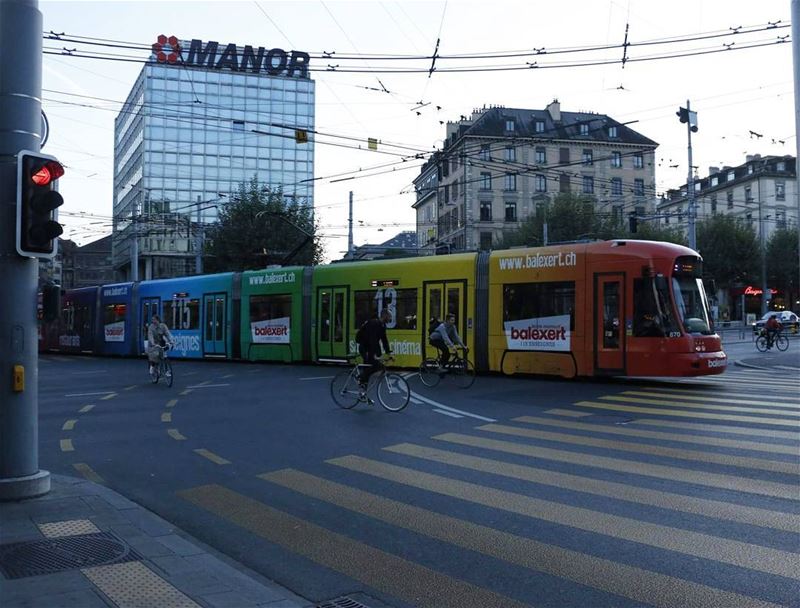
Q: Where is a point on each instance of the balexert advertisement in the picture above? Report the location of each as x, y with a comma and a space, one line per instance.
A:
114, 332
271, 331
539, 260
543, 333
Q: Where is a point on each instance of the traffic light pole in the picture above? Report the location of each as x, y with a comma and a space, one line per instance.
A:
20, 127
690, 185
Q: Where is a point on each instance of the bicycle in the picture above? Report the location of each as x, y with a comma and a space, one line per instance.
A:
391, 388
780, 341
163, 369
431, 371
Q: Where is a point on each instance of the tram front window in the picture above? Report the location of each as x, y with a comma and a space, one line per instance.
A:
691, 304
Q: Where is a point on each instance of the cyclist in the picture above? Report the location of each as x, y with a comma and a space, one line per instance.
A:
158, 337
773, 327
445, 337
370, 336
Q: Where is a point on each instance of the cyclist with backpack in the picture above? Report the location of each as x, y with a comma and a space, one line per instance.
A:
444, 337
370, 337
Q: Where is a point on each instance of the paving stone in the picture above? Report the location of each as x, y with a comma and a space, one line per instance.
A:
148, 547
230, 599
148, 523
18, 530
47, 584
71, 599
260, 592
179, 545
173, 565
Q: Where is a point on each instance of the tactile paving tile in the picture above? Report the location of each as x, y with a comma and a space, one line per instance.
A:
134, 585
71, 527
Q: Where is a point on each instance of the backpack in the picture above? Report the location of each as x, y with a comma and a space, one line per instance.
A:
433, 325
361, 334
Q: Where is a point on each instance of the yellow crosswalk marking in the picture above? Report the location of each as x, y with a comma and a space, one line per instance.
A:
86, 408
719, 428
697, 544
789, 468
176, 434
772, 403
415, 584
628, 431
657, 498
687, 414
66, 445
88, 472
736, 483
634, 583
700, 406
69, 425
683, 391
211, 456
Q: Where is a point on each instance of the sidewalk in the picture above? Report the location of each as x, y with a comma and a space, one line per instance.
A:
85, 546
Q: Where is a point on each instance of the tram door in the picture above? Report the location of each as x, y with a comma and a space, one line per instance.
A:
150, 307
332, 320
215, 307
443, 298
609, 323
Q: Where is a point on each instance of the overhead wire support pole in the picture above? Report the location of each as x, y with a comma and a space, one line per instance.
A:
796, 69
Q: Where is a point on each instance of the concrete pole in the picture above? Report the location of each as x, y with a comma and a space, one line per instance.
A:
765, 295
135, 243
350, 228
198, 259
20, 124
690, 184
796, 70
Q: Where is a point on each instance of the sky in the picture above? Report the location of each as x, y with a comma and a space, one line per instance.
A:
744, 98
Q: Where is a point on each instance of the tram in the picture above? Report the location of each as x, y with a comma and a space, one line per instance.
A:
611, 308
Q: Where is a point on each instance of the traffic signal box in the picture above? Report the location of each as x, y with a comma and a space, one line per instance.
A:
38, 201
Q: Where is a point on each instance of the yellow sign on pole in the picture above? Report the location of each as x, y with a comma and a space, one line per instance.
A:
301, 136
372, 143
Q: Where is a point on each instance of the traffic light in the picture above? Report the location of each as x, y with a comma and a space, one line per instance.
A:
632, 222
38, 201
686, 115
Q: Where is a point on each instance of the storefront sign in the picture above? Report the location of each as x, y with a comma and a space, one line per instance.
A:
755, 291
544, 333
271, 331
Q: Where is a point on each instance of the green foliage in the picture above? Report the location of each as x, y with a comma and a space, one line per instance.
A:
782, 260
730, 250
258, 228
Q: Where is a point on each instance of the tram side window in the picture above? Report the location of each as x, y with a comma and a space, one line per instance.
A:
266, 308
182, 314
114, 313
652, 316
537, 300
401, 302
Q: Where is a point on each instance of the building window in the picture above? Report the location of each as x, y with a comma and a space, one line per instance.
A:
638, 187
748, 194
447, 193
510, 125
541, 156
616, 214
486, 211
729, 194
713, 203
616, 159
486, 181
750, 169
780, 166
540, 183
612, 131
731, 176
588, 184
238, 125
563, 156
563, 182
587, 157
455, 189
539, 128
638, 161
486, 241
511, 181
511, 212
616, 186
584, 129
780, 191
780, 218
714, 181
511, 153
485, 152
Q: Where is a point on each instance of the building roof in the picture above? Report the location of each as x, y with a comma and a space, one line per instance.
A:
102, 245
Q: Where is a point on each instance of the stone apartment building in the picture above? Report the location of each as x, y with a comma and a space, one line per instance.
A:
79, 266
502, 165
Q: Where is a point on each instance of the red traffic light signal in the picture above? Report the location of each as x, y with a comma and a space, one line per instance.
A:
37, 204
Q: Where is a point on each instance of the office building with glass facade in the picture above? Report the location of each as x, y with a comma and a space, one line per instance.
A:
190, 133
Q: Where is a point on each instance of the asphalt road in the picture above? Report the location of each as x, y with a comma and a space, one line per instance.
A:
513, 492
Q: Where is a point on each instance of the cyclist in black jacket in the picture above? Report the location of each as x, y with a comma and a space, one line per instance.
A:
372, 335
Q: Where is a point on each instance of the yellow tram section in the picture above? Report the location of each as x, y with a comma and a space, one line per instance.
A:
413, 289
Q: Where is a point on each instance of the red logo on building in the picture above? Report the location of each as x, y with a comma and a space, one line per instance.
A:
169, 55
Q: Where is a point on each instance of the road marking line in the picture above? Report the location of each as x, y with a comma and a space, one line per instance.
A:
640, 585
88, 394
86, 408
88, 472
96, 371
176, 435
69, 425
737, 483
129, 388
700, 406
713, 428
206, 385
686, 414
66, 445
189, 373
317, 378
227, 376
570, 413
756, 446
684, 391
172, 403
772, 403
441, 406
185, 392
412, 583
451, 414
788, 468
753, 516
211, 456
166, 417
687, 542
109, 396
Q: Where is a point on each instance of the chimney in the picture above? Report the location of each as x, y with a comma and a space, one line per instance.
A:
554, 109
713, 170
748, 158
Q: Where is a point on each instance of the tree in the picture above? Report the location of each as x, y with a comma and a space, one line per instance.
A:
730, 250
782, 263
258, 228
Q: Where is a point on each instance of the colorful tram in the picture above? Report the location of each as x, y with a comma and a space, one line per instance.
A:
633, 308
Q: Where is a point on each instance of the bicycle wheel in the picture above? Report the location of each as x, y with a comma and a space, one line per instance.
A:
429, 372
154, 374
168, 377
463, 373
782, 342
761, 344
345, 389
393, 392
